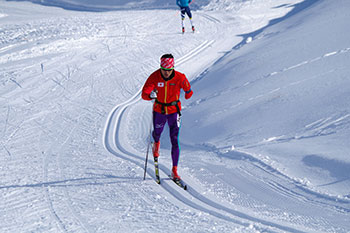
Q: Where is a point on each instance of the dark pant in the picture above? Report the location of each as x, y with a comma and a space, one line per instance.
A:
173, 120
187, 11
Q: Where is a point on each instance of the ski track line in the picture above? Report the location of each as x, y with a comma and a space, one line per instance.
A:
68, 200
311, 195
120, 152
196, 51
200, 202
81, 221
307, 62
49, 200
137, 97
209, 17
305, 194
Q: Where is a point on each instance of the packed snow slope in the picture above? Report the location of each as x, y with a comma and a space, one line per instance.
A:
264, 139
285, 96
111, 5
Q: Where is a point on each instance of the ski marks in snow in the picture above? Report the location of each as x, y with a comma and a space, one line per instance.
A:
191, 197
321, 127
284, 185
327, 125
49, 200
303, 63
279, 74
113, 142
53, 161
209, 17
194, 52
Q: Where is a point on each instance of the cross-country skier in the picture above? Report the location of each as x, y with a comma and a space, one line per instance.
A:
185, 9
164, 86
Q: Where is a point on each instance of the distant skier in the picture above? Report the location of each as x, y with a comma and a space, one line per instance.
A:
164, 86
185, 9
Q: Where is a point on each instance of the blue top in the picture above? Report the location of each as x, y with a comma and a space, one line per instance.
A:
183, 3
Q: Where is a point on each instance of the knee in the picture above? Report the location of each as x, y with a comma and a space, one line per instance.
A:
174, 142
156, 135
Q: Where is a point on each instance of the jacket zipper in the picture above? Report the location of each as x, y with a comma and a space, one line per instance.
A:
165, 97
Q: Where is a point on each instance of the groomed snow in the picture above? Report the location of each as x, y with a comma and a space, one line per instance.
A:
264, 139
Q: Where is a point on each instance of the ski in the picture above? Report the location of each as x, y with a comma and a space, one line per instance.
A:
156, 169
180, 183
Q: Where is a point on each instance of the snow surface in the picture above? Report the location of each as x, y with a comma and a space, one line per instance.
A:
264, 139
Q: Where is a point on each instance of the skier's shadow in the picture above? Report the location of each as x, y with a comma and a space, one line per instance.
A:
99, 180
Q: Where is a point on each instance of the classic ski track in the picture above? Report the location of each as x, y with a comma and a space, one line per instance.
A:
68, 201
58, 161
199, 202
49, 200
209, 17
48, 190
81, 221
191, 197
304, 194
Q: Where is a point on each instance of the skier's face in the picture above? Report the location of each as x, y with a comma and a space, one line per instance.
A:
166, 73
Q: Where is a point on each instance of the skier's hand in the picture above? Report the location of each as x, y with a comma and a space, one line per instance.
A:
188, 94
153, 94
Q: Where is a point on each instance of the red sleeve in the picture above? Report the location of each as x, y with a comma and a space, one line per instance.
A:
186, 86
148, 87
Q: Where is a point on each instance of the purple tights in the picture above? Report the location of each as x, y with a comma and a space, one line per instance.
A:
173, 120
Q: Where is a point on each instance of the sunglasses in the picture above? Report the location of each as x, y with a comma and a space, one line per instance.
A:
167, 69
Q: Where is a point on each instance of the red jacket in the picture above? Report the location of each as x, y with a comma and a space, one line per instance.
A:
168, 90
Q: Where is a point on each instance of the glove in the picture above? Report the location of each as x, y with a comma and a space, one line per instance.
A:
153, 94
188, 94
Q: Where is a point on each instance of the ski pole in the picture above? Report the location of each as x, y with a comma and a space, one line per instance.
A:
144, 174
149, 143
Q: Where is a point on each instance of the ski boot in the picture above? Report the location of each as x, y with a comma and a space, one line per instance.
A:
174, 174
155, 149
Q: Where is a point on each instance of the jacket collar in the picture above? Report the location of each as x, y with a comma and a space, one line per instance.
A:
170, 77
